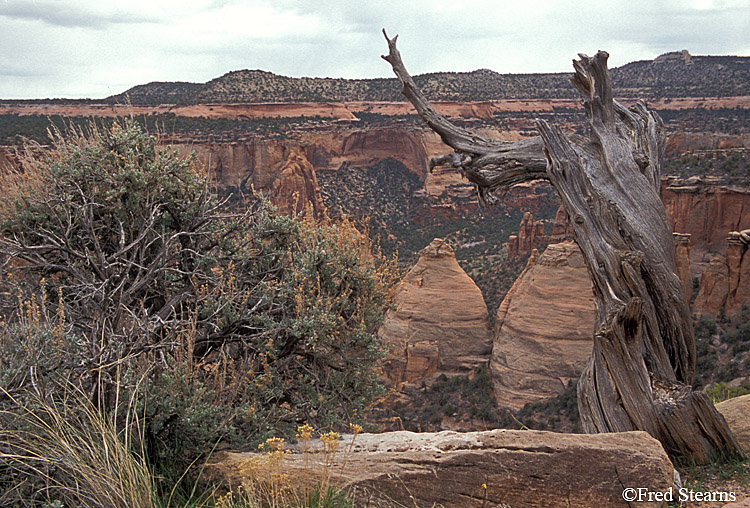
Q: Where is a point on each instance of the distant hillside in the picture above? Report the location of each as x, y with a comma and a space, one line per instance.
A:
675, 74
158, 92
679, 74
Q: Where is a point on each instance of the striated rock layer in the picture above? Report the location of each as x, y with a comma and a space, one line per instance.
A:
441, 323
543, 333
481, 469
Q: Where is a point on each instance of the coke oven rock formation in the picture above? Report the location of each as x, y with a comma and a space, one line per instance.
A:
441, 323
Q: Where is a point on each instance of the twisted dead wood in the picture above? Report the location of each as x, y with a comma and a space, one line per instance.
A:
640, 373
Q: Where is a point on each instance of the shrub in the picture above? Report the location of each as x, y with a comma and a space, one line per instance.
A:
721, 391
222, 325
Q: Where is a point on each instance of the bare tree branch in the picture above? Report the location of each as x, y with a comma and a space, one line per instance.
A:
493, 166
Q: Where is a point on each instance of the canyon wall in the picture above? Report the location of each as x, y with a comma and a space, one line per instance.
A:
330, 149
725, 283
706, 211
278, 169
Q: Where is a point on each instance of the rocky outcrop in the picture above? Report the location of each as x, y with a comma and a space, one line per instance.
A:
725, 284
705, 211
530, 235
544, 328
296, 187
562, 229
441, 323
714, 287
736, 412
480, 469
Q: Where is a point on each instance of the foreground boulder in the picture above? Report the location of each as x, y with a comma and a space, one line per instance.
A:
736, 412
483, 469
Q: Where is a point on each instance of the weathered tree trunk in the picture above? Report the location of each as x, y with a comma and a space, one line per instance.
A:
640, 373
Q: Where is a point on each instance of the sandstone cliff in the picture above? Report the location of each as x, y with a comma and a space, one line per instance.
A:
544, 328
279, 169
363, 147
725, 284
707, 212
543, 333
440, 324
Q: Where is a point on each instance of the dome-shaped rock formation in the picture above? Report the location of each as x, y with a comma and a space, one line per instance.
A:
441, 323
544, 328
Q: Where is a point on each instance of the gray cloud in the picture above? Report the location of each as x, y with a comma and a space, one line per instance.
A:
89, 48
71, 14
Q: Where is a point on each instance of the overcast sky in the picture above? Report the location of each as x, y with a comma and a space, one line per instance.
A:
97, 48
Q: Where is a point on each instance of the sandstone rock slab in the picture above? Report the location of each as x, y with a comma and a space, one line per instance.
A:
483, 469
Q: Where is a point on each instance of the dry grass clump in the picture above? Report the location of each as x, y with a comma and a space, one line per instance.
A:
68, 450
267, 482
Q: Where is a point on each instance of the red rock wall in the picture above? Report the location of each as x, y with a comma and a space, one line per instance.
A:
707, 212
277, 168
725, 284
